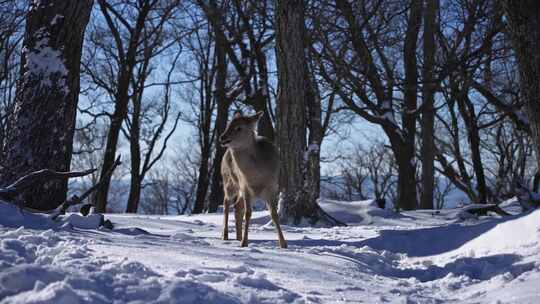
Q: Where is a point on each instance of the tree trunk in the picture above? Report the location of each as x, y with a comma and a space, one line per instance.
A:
295, 204
524, 30
216, 190
134, 192
223, 103
135, 153
407, 199
259, 102
43, 121
428, 112
315, 137
406, 185
205, 139
466, 109
202, 182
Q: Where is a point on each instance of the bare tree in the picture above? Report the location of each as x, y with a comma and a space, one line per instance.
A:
43, 121
428, 104
357, 50
524, 31
125, 40
204, 49
147, 133
12, 15
467, 52
369, 172
296, 203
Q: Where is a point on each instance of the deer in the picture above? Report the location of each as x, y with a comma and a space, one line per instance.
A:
250, 171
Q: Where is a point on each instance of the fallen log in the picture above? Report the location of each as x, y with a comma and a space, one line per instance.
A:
9, 194
483, 209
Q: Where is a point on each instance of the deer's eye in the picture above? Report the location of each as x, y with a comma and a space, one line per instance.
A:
237, 129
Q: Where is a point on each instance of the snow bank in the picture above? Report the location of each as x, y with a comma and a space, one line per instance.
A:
507, 236
14, 217
381, 257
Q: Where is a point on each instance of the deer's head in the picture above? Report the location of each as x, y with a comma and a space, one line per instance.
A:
240, 130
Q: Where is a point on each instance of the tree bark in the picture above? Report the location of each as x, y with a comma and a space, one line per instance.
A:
315, 138
407, 194
43, 121
428, 112
135, 153
291, 101
466, 109
206, 108
223, 105
296, 206
205, 140
216, 189
524, 31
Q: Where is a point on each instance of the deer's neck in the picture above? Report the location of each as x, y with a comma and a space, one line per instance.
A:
246, 156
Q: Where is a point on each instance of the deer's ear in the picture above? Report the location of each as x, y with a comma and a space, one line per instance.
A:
237, 114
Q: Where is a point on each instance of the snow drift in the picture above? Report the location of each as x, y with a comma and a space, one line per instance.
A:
412, 257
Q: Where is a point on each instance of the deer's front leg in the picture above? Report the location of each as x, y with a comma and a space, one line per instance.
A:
247, 215
225, 235
238, 213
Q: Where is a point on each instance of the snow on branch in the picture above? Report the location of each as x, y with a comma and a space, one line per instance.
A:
45, 62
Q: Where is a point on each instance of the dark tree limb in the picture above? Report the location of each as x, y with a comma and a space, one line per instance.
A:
479, 210
75, 200
10, 192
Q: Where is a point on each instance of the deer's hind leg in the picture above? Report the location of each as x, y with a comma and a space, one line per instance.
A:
238, 213
271, 205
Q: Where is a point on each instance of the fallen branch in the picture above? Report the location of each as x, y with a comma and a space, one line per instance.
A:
483, 209
10, 192
75, 200
526, 198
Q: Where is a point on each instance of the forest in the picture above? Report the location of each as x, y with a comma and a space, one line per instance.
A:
400, 114
399, 100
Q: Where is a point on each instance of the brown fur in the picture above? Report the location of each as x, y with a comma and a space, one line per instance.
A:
250, 170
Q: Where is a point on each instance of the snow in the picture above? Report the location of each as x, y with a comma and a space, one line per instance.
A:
57, 19
46, 63
381, 257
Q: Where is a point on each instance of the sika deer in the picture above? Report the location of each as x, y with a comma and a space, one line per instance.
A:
250, 170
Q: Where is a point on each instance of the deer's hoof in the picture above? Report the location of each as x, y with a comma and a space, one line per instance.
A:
225, 238
283, 244
243, 243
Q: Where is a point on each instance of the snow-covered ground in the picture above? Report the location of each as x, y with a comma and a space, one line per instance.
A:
381, 257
